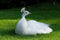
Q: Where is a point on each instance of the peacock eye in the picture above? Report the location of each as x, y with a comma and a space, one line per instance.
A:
25, 12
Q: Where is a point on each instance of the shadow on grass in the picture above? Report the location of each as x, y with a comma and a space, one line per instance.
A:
7, 32
12, 33
56, 26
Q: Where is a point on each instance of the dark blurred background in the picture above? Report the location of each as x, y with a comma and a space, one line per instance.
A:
19, 3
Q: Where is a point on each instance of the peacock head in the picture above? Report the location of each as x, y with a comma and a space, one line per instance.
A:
26, 13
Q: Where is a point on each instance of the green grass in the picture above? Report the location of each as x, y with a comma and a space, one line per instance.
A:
43, 13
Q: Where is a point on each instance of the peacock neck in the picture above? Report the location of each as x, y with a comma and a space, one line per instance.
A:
23, 15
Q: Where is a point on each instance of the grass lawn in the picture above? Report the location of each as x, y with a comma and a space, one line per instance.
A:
46, 13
